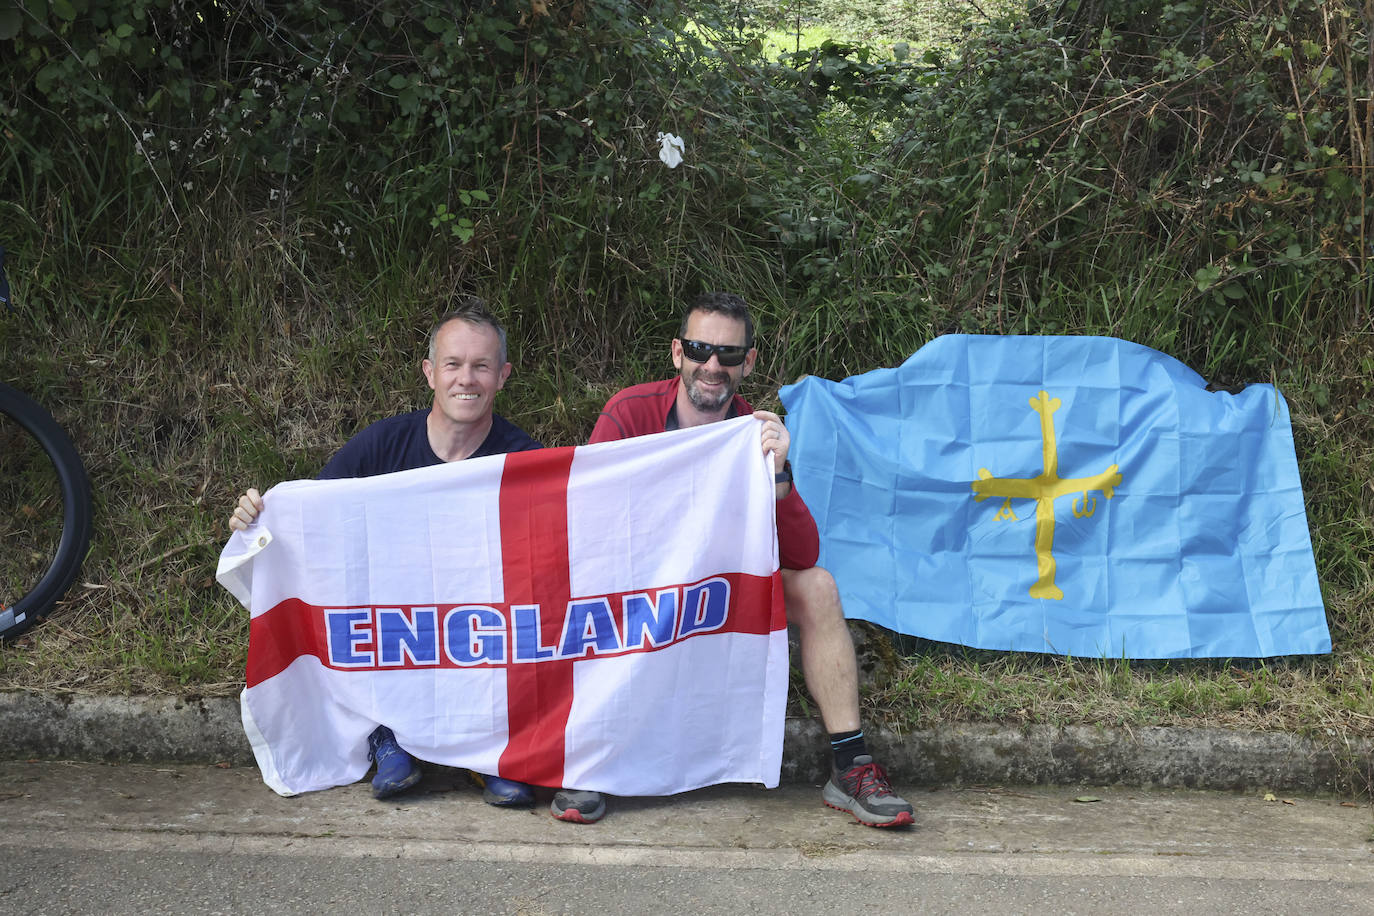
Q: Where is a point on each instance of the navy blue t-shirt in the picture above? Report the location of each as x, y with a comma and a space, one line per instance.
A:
401, 443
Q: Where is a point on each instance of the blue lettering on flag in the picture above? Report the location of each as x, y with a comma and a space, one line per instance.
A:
589, 622
345, 628
654, 619
704, 607
402, 640
474, 634
527, 647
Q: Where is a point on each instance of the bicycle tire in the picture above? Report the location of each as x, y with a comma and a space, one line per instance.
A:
76, 512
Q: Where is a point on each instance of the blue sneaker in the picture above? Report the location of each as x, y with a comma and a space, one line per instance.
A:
396, 770
504, 793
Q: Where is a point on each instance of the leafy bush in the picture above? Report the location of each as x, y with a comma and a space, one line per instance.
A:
1183, 174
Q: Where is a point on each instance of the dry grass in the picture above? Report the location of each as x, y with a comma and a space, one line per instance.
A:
175, 418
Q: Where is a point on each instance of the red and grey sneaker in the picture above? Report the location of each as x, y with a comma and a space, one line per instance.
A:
863, 791
578, 806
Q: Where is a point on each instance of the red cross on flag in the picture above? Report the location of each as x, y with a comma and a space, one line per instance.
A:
606, 617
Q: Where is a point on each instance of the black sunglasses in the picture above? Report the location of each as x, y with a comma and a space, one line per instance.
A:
728, 354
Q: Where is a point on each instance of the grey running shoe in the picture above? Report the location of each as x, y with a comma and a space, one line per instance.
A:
578, 806
863, 791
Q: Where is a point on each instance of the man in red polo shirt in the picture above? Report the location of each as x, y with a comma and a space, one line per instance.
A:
713, 352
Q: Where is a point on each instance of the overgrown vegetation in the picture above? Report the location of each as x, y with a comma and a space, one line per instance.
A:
230, 223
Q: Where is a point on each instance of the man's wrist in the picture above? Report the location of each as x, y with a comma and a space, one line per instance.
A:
785, 475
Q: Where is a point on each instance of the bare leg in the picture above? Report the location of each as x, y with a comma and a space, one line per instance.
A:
827, 650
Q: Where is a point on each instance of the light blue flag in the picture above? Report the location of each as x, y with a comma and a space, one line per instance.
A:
1074, 495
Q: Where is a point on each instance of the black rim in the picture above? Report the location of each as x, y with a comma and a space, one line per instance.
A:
76, 512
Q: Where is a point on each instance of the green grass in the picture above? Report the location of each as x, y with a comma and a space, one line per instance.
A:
791, 40
229, 342
1318, 697
31, 497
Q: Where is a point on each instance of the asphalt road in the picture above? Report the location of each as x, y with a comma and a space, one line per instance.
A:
92, 838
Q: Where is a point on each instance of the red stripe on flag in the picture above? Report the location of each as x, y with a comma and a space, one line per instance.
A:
280, 636
534, 558
293, 628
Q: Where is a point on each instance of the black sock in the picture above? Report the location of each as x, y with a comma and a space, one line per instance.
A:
846, 746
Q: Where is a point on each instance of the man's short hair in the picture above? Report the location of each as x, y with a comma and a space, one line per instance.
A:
721, 304
474, 311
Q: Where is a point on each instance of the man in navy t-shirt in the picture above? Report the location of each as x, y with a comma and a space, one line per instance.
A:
465, 367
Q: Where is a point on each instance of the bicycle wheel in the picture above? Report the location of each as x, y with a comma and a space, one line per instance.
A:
45, 512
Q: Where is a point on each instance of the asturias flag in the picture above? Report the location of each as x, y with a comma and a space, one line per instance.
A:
607, 617
1073, 495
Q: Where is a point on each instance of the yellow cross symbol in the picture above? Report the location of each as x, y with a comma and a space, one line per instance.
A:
1045, 489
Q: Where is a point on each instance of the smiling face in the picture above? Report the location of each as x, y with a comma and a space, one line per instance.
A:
709, 385
466, 371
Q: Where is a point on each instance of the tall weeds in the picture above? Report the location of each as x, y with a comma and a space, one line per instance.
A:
228, 234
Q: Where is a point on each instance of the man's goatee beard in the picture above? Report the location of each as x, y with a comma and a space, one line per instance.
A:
703, 402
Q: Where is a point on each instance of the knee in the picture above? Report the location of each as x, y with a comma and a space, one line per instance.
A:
811, 596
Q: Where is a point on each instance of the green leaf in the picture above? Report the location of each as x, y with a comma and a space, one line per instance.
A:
63, 9
124, 31
10, 23
1205, 277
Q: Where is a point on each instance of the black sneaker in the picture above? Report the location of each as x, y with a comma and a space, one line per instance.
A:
863, 791
578, 806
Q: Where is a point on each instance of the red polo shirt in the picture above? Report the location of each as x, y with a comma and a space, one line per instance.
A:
643, 409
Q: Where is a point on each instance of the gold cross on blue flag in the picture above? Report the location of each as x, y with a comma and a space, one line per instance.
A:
1184, 534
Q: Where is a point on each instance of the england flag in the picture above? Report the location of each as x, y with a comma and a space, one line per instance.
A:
606, 617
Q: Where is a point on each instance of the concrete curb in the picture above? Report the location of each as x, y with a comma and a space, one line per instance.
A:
1200, 758
161, 729
145, 729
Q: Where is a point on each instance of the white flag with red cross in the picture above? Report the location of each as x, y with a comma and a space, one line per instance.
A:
607, 617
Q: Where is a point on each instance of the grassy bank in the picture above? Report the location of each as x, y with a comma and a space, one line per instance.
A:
206, 323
